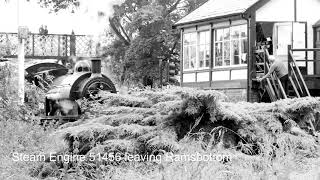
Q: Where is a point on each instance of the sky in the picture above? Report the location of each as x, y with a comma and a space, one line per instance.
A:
84, 21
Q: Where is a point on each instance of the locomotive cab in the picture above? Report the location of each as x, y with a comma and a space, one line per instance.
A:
85, 82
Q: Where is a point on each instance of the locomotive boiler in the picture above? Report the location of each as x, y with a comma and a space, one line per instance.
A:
85, 82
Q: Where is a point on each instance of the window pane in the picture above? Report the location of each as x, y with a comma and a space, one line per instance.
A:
186, 58
192, 56
235, 32
219, 35
186, 39
226, 53
193, 38
207, 63
218, 54
226, 34
218, 61
202, 50
233, 48
244, 46
243, 30
218, 49
208, 37
202, 38
244, 50
235, 52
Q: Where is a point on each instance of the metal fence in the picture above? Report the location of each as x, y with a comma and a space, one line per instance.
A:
50, 45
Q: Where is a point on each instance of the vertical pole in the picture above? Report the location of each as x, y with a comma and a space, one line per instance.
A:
59, 45
21, 70
73, 58
289, 70
211, 55
66, 45
315, 63
33, 44
295, 10
72, 44
181, 57
289, 60
8, 51
251, 58
306, 45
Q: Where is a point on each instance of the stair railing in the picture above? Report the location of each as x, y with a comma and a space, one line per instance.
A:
273, 82
274, 78
292, 68
271, 91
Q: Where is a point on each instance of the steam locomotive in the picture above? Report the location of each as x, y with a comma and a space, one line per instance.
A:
85, 82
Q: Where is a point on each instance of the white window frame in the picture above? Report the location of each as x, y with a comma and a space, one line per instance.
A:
230, 39
197, 45
184, 46
198, 49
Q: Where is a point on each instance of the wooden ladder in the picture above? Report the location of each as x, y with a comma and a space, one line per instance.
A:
273, 85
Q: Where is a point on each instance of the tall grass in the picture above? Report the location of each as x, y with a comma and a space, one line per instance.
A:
261, 139
19, 129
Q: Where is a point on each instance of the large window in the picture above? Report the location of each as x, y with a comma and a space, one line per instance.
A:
189, 50
204, 49
196, 50
230, 46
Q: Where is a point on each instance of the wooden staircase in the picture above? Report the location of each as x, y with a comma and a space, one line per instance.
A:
272, 87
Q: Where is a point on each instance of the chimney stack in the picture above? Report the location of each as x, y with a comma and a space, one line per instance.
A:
96, 66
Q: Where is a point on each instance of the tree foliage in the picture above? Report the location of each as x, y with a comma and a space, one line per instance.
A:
144, 35
57, 5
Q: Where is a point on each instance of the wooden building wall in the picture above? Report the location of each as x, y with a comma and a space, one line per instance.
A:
305, 11
232, 79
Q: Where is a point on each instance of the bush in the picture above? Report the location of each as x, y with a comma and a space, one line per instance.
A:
183, 121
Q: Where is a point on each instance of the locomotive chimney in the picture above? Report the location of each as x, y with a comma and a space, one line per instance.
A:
96, 66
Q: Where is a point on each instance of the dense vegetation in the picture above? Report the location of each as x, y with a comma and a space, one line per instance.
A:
259, 140
278, 140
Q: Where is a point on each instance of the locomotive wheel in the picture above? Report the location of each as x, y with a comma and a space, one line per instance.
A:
93, 86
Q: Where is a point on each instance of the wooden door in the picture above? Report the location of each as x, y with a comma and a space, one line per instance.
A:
283, 38
289, 33
299, 42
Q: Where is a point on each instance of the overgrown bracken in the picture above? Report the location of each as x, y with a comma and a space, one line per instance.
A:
152, 122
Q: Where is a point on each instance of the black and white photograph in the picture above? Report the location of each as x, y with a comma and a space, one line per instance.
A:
159, 89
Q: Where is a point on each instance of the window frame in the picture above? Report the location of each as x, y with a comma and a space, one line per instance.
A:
239, 39
207, 45
189, 45
197, 45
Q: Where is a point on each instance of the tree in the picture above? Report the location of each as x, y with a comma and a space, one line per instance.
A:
57, 5
144, 31
142, 34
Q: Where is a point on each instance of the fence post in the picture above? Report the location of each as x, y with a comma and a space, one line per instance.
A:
33, 44
72, 44
23, 32
289, 60
59, 45
8, 50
